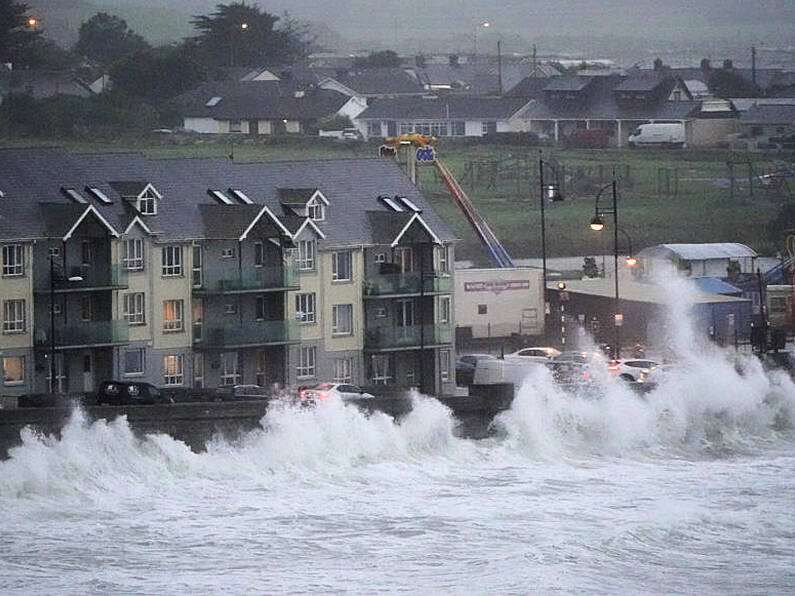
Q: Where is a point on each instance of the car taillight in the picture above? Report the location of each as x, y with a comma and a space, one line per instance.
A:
323, 394
585, 374
612, 367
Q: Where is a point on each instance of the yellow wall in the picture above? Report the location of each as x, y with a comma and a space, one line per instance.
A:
19, 288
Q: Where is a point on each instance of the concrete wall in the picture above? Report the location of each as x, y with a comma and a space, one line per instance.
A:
712, 131
512, 300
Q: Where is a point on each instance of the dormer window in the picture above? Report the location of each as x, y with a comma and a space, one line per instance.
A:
147, 203
315, 210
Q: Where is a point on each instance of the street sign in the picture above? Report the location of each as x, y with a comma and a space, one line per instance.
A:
619, 319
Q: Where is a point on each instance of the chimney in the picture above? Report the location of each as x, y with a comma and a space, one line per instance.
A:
705, 65
453, 59
727, 64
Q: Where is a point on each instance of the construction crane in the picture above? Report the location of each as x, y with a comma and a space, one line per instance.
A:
426, 153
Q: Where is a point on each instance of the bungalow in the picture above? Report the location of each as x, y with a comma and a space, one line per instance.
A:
453, 116
262, 107
765, 120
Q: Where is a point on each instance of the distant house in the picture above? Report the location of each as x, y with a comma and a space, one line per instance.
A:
41, 84
697, 260
765, 120
373, 83
453, 116
262, 107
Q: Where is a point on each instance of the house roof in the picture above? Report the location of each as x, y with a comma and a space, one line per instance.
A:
296, 196
32, 176
266, 100
128, 188
769, 114
43, 83
698, 252
634, 291
568, 83
714, 285
643, 81
453, 107
379, 81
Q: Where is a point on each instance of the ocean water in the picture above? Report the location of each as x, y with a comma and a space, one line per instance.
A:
687, 490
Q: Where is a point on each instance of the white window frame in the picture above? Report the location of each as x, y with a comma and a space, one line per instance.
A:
197, 278
14, 316
230, 308
230, 368
443, 313
344, 257
305, 308
134, 254
235, 126
13, 260
338, 326
12, 382
86, 252
228, 253
306, 362
306, 255
86, 307
374, 128
198, 370
172, 260
343, 370
135, 308
315, 210
141, 352
444, 259
259, 254
177, 322
173, 370
147, 203
445, 359
381, 374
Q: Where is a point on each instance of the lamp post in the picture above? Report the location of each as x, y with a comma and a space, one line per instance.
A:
552, 193
597, 224
485, 25
242, 28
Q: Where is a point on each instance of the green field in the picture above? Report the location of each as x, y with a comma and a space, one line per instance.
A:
501, 181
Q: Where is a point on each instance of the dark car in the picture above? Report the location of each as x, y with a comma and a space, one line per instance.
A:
240, 392
465, 367
118, 393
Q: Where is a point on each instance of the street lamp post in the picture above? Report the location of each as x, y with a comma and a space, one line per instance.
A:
597, 224
485, 25
551, 192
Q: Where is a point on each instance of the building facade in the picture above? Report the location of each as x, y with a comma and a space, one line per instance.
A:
201, 273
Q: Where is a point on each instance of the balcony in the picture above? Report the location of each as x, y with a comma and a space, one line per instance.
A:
216, 280
94, 277
406, 284
246, 334
84, 335
395, 338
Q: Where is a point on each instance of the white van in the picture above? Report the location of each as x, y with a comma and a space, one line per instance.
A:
658, 135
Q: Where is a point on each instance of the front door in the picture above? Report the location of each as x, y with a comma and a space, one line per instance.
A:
253, 127
391, 128
60, 375
88, 373
404, 318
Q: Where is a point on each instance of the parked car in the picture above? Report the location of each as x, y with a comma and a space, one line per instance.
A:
654, 376
240, 392
576, 366
630, 369
465, 367
343, 391
117, 393
534, 354
352, 134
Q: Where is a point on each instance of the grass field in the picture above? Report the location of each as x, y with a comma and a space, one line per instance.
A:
502, 182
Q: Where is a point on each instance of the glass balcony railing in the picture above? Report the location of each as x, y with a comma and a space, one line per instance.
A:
83, 277
404, 337
89, 333
226, 279
250, 333
406, 283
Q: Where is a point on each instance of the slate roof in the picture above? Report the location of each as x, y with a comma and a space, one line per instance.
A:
386, 225
266, 100
568, 83
453, 107
295, 196
128, 188
41, 83
379, 81
31, 176
769, 114
642, 82
634, 291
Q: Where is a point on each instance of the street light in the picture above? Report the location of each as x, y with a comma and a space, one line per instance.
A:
243, 27
485, 25
598, 224
547, 192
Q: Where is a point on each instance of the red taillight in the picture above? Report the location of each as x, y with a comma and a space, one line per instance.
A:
612, 367
585, 374
303, 394
323, 394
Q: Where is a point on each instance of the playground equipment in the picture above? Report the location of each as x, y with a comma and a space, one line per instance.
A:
424, 153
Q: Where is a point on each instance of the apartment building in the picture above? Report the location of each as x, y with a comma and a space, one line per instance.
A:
207, 272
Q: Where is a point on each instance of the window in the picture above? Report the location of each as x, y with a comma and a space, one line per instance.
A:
227, 253
483, 309
235, 126
259, 254
315, 210
260, 368
458, 128
444, 365
341, 266
14, 316
379, 257
260, 308
380, 364
13, 263
374, 128
197, 266
198, 317
85, 308
86, 252
306, 362
134, 362
230, 308
342, 370
172, 315
13, 370
402, 258
172, 260
305, 307
198, 370
342, 319
443, 316
134, 254
230, 373
147, 203
134, 312
54, 251
172, 369
380, 313
306, 255
444, 262
778, 304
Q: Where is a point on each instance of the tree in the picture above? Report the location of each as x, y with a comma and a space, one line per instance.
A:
105, 38
386, 58
241, 35
16, 33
